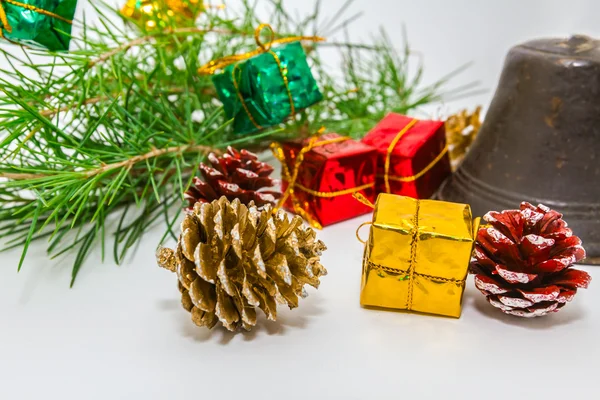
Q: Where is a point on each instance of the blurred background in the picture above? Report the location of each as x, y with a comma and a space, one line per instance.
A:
443, 35
449, 34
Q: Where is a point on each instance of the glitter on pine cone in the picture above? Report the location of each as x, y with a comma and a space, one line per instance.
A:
232, 259
235, 175
523, 258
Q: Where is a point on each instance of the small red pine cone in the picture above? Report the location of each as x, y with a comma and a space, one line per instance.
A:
235, 175
523, 258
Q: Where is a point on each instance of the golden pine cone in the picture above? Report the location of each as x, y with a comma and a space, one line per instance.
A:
232, 258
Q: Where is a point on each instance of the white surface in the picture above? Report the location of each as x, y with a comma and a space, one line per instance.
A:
121, 333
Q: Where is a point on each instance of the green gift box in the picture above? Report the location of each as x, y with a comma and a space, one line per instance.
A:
268, 88
38, 23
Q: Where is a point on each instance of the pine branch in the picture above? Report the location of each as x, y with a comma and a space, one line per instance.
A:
117, 127
127, 164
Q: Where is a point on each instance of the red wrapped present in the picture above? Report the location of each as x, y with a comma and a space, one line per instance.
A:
413, 156
321, 174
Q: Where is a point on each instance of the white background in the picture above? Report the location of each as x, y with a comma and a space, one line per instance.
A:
451, 33
121, 333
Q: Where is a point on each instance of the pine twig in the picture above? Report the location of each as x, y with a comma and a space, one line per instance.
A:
128, 164
140, 122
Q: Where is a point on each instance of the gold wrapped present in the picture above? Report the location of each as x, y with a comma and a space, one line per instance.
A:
417, 256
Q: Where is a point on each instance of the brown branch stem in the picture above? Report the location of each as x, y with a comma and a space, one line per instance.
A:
128, 164
141, 40
93, 100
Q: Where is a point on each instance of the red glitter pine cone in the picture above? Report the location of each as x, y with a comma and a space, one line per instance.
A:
523, 258
235, 175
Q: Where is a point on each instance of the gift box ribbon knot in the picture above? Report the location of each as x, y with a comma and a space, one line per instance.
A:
291, 177
4, 20
215, 65
387, 177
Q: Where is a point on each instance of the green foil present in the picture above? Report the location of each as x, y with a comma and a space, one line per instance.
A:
261, 83
38, 23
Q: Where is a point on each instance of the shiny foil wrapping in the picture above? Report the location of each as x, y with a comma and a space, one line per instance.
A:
413, 153
261, 83
328, 169
461, 131
417, 255
160, 14
29, 23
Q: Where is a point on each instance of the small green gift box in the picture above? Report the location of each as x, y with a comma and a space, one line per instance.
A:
38, 23
266, 89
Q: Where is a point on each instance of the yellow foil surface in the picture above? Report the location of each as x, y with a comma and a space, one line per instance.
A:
158, 13
417, 256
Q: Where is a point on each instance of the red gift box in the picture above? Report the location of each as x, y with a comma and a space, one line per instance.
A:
330, 169
413, 155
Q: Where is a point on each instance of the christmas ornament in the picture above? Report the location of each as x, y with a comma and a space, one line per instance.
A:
235, 175
540, 138
232, 258
417, 256
461, 131
523, 260
152, 14
37, 23
413, 156
264, 87
321, 174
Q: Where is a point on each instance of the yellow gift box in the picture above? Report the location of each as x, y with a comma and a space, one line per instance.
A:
417, 256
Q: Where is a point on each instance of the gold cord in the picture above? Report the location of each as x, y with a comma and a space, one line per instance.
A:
220, 63
387, 177
358, 231
392, 146
413, 256
425, 170
364, 200
242, 100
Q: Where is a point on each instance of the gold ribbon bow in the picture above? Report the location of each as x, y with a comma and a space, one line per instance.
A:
215, 65
293, 185
220, 63
387, 178
4, 20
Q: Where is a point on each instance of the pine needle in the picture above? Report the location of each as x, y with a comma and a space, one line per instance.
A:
119, 124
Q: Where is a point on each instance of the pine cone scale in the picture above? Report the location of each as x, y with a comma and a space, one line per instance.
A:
573, 278
488, 285
185, 270
190, 240
203, 295
515, 277
204, 256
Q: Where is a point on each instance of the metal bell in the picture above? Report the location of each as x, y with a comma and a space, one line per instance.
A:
540, 140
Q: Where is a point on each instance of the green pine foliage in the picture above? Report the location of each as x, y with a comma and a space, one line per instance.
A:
100, 143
